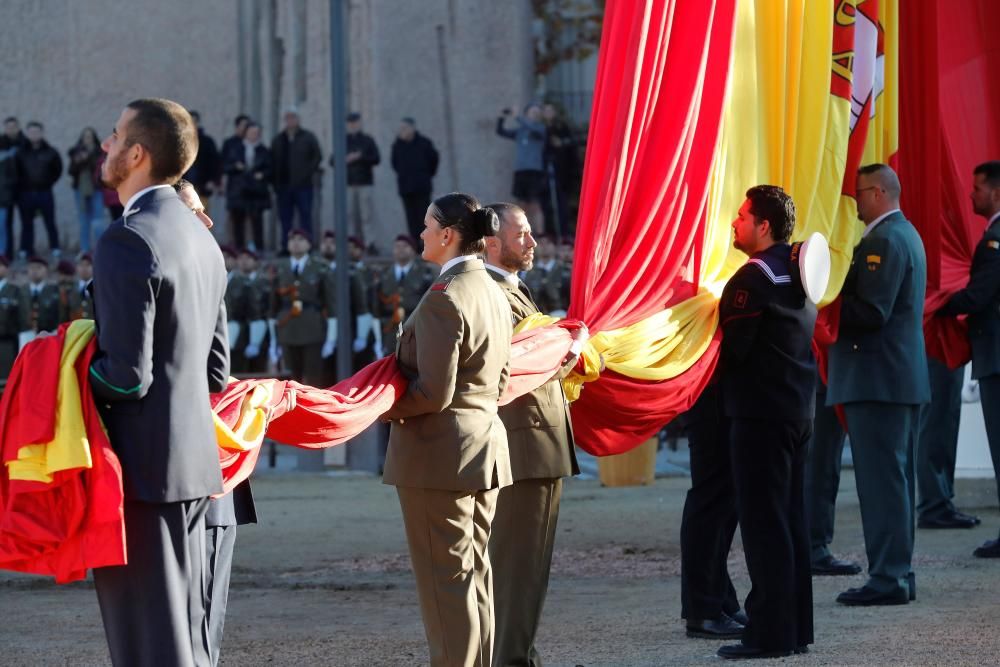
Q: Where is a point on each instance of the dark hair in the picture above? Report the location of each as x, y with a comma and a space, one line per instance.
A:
464, 214
771, 203
92, 131
10, 119
886, 177
503, 209
167, 132
409, 121
34, 123
990, 172
251, 123
194, 114
239, 119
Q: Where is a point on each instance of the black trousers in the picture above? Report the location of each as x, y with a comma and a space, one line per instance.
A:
709, 520
238, 218
153, 608
305, 363
415, 205
769, 459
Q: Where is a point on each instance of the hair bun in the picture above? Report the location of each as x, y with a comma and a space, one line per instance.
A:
486, 221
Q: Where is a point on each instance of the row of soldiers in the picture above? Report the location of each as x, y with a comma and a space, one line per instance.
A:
284, 315
34, 302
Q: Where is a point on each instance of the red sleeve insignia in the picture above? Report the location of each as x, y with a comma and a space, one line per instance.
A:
740, 298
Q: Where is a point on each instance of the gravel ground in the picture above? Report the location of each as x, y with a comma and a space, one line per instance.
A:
324, 580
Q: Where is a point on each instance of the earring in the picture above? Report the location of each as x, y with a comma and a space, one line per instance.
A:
443, 243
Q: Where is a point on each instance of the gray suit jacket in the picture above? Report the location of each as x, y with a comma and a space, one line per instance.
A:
159, 283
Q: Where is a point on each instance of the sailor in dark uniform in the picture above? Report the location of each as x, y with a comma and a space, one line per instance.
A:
768, 379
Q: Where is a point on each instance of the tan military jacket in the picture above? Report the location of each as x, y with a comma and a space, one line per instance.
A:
13, 314
396, 299
308, 327
455, 350
539, 431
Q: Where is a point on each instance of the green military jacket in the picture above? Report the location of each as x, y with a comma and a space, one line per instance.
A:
981, 301
242, 306
455, 352
308, 291
43, 309
75, 302
396, 299
879, 354
539, 431
13, 314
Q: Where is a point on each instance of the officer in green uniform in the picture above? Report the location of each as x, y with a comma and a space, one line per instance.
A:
540, 441
41, 298
258, 295
981, 301
241, 310
548, 278
69, 295
12, 320
400, 287
299, 306
878, 372
361, 318
84, 274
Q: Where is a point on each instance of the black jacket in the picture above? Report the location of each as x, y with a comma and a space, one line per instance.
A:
247, 185
359, 172
767, 366
162, 348
8, 174
415, 163
207, 167
38, 167
296, 161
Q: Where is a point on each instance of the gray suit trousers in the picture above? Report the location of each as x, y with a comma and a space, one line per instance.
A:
153, 608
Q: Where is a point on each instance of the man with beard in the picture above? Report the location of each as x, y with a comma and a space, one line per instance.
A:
162, 347
540, 441
981, 301
767, 375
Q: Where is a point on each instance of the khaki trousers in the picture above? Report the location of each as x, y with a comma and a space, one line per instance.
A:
524, 531
448, 533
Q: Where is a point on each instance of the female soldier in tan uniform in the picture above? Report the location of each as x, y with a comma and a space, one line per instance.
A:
447, 448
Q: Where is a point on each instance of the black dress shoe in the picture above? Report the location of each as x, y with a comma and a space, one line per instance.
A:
990, 549
968, 516
830, 566
869, 597
950, 520
739, 616
742, 652
720, 628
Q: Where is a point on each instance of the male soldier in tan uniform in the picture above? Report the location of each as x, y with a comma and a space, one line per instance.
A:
41, 298
401, 286
540, 440
545, 278
299, 306
12, 320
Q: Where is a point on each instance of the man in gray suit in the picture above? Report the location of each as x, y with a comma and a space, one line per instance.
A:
540, 441
159, 282
878, 372
981, 301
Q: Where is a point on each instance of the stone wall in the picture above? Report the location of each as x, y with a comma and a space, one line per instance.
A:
451, 64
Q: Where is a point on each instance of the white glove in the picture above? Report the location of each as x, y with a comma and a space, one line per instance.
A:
970, 392
274, 354
359, 344
258, 329
379, 352
331, 337
234, 332
24, 338
377, 333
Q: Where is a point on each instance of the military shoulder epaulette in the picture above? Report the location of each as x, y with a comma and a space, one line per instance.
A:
442, 284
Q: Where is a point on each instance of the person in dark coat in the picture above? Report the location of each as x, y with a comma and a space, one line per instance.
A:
362, 158
248, 168
206, 172
415, 161
11, 141
38, 168
296, 156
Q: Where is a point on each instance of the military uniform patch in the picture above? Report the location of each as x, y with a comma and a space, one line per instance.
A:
993, 244
442, 285
873, 262
740, 298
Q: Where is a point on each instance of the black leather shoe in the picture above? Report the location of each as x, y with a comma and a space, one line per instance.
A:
739, 616
741, 652
968, 516
990, 549
830, 566
720, 628
801, 649
869, 597
950, 520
